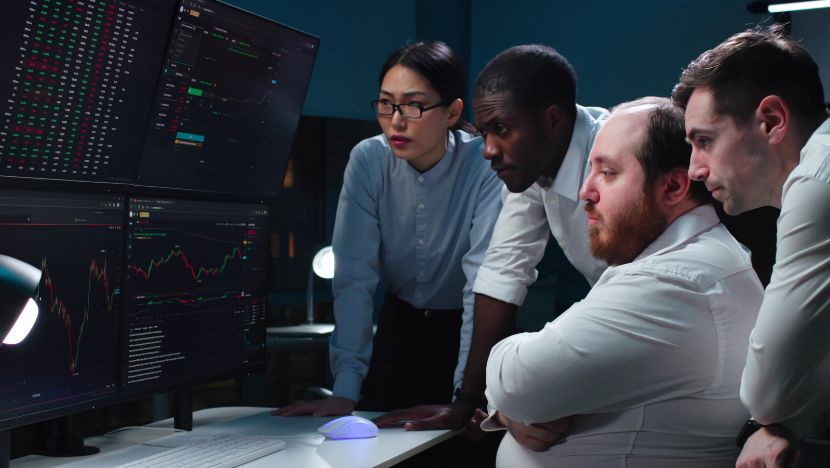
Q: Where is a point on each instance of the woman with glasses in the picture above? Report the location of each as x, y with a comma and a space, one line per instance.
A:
415, 215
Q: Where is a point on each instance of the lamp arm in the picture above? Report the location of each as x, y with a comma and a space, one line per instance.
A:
309, 298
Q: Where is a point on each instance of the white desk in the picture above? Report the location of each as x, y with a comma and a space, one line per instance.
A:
305, 447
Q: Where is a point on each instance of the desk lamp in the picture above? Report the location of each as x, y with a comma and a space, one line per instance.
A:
18, 310
323, 266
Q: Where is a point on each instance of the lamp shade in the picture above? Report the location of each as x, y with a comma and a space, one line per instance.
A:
18, 312
323, 263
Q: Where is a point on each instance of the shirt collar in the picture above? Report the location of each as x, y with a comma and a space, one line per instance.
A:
821, 134
568, 179
688, 225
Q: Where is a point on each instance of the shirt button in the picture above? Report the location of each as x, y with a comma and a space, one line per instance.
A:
421, 206
421, 179
420, 242
427, 313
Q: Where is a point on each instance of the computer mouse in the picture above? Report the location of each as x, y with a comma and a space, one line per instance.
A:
349, 427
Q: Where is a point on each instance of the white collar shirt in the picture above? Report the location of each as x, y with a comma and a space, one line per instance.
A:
527, 219
787, 374
647, 366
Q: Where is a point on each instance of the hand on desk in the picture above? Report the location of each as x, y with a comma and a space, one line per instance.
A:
537, 437
770, 447
331, 406
426, 417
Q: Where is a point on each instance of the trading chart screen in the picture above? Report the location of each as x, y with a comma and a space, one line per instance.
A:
195, 291
71, 355
230, 95
76, 80
192, 95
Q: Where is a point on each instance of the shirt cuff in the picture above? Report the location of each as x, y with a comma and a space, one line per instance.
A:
492, 284
347, 384
491, 424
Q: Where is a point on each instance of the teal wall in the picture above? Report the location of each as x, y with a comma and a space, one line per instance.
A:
621, 50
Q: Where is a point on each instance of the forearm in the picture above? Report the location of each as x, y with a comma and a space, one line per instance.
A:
493, 321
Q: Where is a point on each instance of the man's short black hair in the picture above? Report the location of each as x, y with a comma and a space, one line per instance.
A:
535, 76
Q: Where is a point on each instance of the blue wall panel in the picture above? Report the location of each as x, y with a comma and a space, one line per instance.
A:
621, 50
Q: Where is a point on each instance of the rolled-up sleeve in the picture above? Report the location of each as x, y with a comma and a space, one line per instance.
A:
518, 244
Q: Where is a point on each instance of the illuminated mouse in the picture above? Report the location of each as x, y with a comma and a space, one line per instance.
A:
349, 427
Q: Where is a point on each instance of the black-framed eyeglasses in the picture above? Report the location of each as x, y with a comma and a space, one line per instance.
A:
408, 111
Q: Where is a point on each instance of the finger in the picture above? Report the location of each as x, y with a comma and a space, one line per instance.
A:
531, 443
323, 411
479, 416
394, 417
434, 422
559, 425
292, 410
544, 436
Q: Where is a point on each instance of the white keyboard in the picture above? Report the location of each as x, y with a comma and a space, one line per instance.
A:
225, 451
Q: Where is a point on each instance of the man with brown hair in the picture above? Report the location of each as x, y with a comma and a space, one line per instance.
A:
757, 123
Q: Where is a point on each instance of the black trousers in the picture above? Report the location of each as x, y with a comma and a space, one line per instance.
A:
414, 355
413, 360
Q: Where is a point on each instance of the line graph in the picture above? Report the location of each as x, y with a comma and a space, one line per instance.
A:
196, 279
97, 277
178, 253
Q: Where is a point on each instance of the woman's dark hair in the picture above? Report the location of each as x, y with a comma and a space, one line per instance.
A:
442, 69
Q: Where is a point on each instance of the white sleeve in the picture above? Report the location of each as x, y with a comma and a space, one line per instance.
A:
790, 339
518, 244
609, 352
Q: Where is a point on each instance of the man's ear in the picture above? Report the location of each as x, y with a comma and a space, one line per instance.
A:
455, 112
773, 118
674, 186
552, 116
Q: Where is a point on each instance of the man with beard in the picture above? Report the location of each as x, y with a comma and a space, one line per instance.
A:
645, 371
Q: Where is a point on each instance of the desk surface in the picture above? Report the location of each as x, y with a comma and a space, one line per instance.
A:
305, 447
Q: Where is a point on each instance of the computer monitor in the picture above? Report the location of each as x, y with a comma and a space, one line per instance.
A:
76, 81
194, 294
69, 361
228, 102
187, 95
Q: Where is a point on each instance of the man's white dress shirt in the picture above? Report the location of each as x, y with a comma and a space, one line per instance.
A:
521, 232
648, 365
787, 374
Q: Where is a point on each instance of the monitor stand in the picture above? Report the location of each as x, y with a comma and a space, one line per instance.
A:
5, 448
64, 439
183, 410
